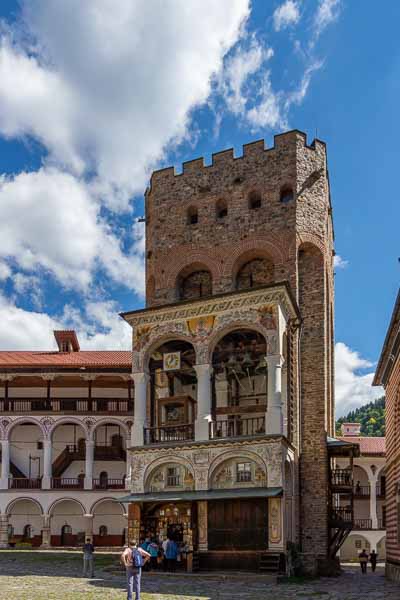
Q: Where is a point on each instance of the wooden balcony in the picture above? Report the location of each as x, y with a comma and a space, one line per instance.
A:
341, 518
341, 478
230, 428
363, 524
108, 484
67, 483
24, 483
100, 406
168, 433
380, 491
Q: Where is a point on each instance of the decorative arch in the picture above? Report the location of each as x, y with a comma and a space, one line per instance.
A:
68, 421
235, 454
101, 500
247, 322
21, 421
179, 260
59, 500
159, 462
157, 341
110, 421
255, 272
194, 281
303, 239
24, 499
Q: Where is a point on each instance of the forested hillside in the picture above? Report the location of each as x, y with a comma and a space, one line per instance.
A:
371, 416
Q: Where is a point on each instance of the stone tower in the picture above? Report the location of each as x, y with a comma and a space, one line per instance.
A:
259, 221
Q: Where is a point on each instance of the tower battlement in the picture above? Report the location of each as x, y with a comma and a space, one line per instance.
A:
254, 151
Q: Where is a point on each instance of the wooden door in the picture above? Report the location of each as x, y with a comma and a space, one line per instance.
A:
237, 524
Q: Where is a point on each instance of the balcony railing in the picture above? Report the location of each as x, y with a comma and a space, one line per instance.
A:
362, 491
362, 523
169, 433
380, 491
24, 483
381, 523
228, 428
67, 483
342, 478
108, 484
341, 516
66, 405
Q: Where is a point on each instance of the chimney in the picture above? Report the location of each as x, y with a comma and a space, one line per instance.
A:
351, 429
67, 340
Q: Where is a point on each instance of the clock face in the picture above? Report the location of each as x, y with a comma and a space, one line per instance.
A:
172, 361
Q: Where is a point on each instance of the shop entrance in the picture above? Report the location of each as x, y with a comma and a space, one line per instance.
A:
177, 521
239, 524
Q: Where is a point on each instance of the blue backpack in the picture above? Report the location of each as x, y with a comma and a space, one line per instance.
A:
137, 560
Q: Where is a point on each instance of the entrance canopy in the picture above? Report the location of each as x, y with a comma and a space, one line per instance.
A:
256, 492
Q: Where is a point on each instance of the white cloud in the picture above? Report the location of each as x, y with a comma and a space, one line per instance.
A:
339, 262
105, 85
286, 14
327, 12
5, 271
49, 220
98, 328
353, 380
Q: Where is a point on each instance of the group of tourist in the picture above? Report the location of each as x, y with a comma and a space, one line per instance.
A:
135, 558
364, 559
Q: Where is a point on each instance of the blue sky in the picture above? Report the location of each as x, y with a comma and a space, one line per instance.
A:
91, 102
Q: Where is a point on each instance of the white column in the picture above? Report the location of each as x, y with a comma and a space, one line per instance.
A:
88, 527
140, 417
3, 531
47, 465
46, 533
5, 464
203, 419
89, 459
274, 414
372, 502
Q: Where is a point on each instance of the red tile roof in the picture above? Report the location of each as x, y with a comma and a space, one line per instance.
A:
368, 445
83, 358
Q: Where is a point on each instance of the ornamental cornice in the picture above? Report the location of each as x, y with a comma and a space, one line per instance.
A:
166, 450
216, 306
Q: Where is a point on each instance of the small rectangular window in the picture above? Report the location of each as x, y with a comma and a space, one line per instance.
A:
173, 477
357, 544
243, 472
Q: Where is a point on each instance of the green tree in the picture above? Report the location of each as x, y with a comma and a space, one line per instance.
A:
371, 416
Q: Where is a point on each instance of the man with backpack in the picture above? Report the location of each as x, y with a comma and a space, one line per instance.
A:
133, 559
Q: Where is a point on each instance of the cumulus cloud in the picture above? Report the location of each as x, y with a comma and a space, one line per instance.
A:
49, 220
107, 85
353, 380
286, 14
339, 262
98, 327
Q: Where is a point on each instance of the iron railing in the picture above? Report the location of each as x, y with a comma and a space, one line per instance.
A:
67, 483
227, 428
362, 490
108, 484
342, 477
362, 523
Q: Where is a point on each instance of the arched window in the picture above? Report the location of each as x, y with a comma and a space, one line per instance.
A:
286, 195
103, 531
195, 285
27, 533
221, 209
192, 216
256, 272
254, 200
103, 479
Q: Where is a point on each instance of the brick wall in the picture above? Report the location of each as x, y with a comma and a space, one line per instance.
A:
393, 465
244, 220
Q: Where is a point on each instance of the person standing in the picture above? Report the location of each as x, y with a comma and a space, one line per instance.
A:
373, 558
88, 559
153, 550
363, 558
171, 554
133, 559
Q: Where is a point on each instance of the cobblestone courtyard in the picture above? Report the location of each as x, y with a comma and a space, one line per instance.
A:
54, 576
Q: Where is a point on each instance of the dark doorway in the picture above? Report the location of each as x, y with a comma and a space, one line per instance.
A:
237, 524
67, 539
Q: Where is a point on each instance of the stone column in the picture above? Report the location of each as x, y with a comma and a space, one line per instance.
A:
140, 417
372, 502
274, 414
88, 527
202, 518
89, 459
5, 464
3, 531
47, 465
203, 419
46, 532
